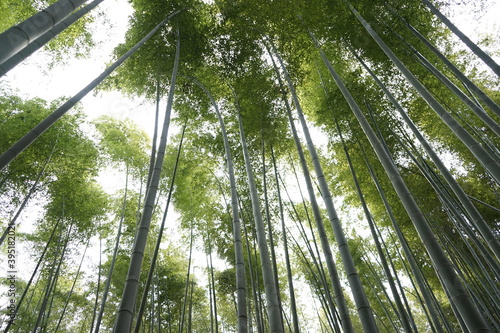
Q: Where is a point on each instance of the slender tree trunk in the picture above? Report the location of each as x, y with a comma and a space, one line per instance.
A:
32, 190
270, 230
158, 241
125, 315
345, 318
273, 306
474, 147
45, 124
113, 260
474, 107
258, 314
464, 79
40, 260
99, 273
445, 270
72, 288
186, 286
241, 291
152, 157
403, 316
409, 256
357, 289
212, 279
332, 313
475, 216
36, 44
474, 48
51, 282
396, 276
293, 306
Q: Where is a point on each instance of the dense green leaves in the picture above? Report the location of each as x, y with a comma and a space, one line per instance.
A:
226, 46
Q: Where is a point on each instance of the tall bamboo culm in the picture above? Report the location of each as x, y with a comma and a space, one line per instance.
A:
444, 268
125, 314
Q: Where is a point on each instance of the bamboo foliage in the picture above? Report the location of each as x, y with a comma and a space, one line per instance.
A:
449, 278
416, 239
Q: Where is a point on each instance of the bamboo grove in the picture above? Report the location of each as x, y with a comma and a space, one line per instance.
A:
315, 166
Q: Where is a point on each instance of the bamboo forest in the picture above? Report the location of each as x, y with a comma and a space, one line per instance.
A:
263, 166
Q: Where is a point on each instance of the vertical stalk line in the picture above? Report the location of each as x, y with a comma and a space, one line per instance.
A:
273, 306
489, 163
474, 107
125, 314
113, 260
333, 313
444, 268
345, 318
409, 256
158, 241
475, 216
152, 157
51, 283
464, 79
473, 47
403, 316
72, 287
359, 295
293, 306
212, 279
30, 281
241, 289
96, 302
258, 313
188, 279
270, 230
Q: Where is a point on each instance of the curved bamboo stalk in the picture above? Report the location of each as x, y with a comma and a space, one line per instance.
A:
474, 147
273, 306
470, 44
158, 241
445, 270
125, 315
45, 124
